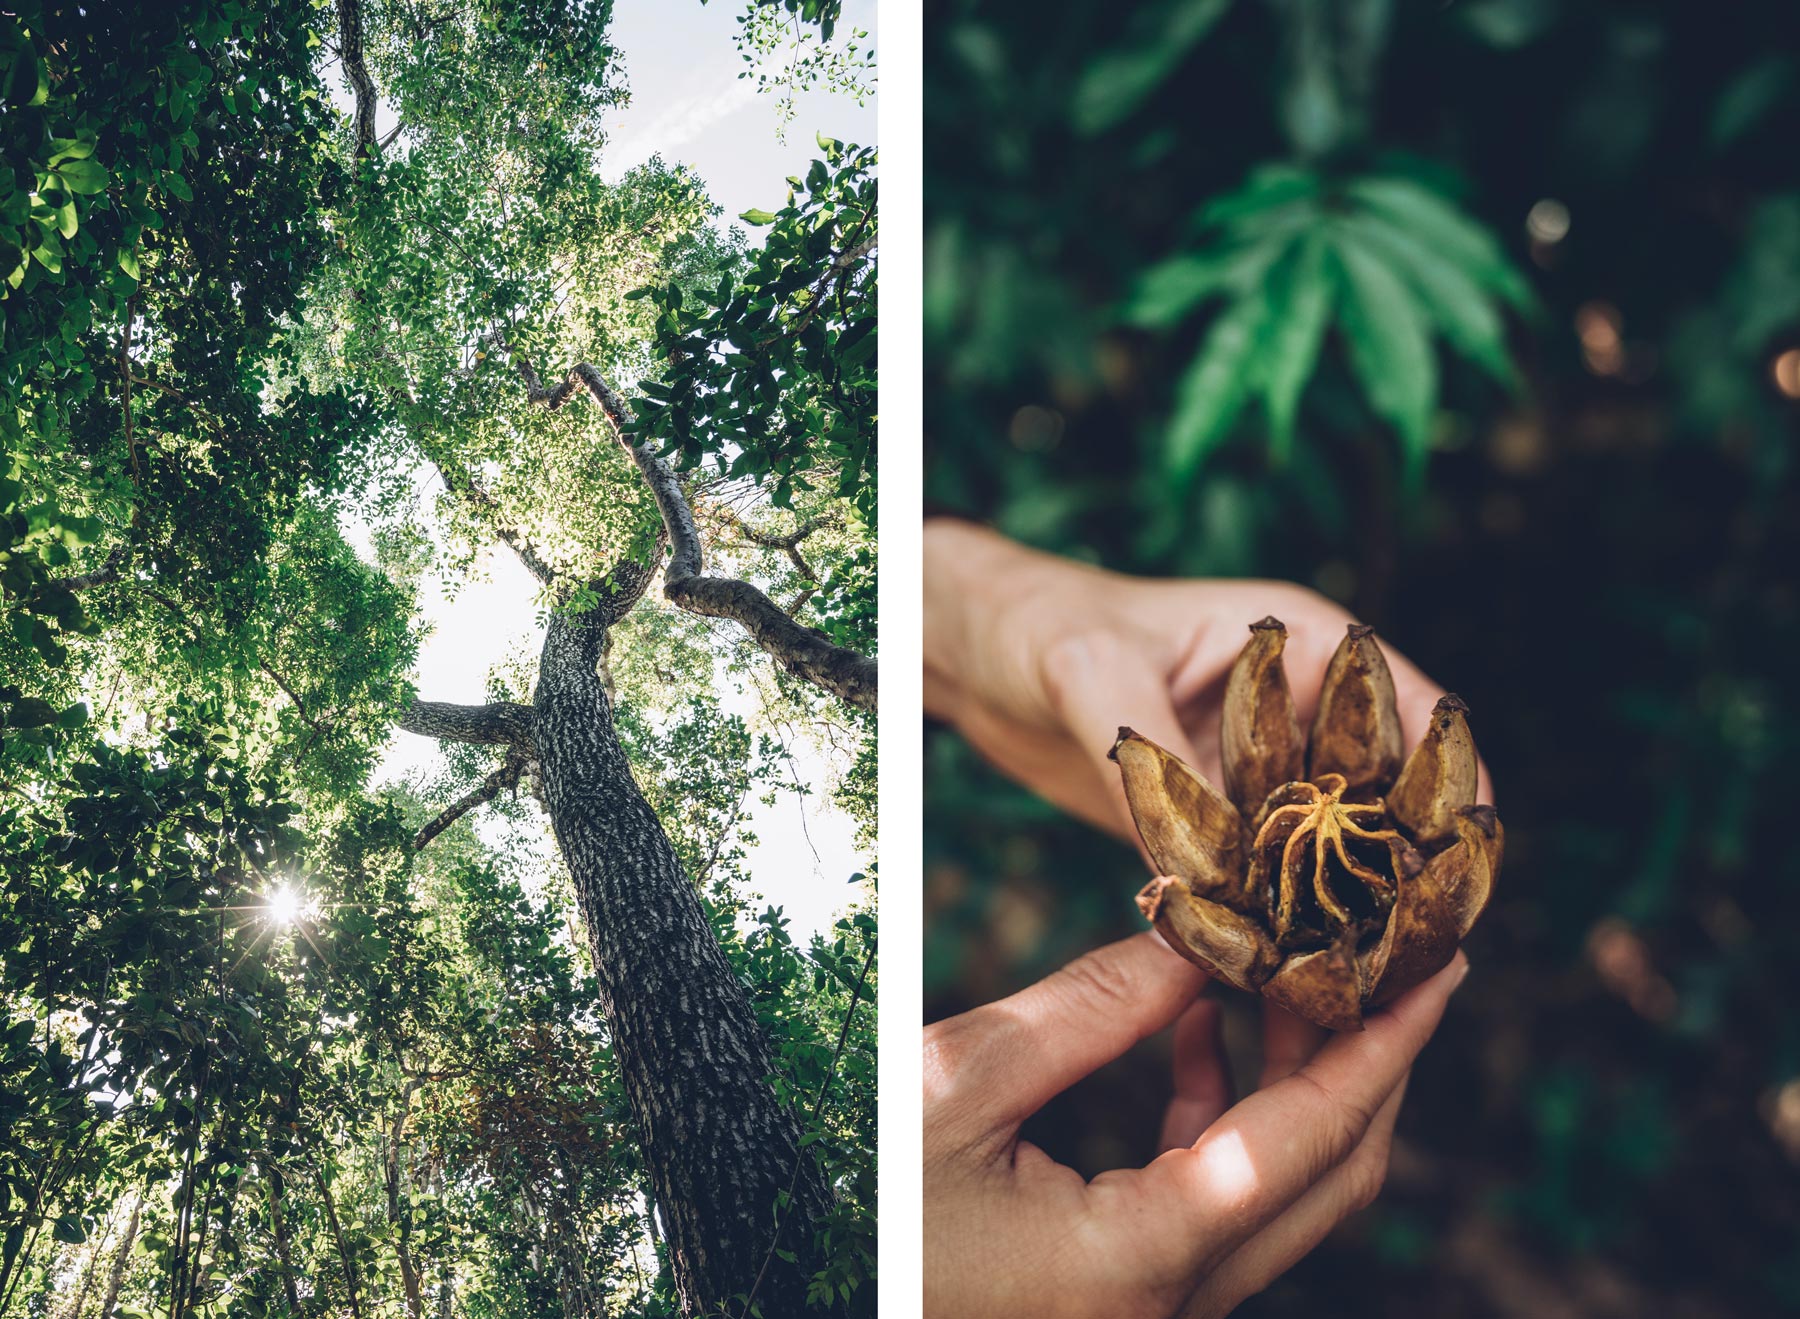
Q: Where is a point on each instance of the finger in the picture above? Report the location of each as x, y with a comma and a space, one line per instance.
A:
1202, 1080
1098, 684
1051, 765
1288, 1042
1268, 1151
1011, 1057
1350, 1187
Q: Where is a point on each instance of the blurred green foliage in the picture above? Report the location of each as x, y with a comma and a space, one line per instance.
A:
1539, 430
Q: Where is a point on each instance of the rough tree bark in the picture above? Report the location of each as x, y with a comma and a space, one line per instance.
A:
718, 1145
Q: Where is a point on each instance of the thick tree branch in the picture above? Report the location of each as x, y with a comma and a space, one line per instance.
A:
350, 49
505, 776
109, 571
504, 723
803, 651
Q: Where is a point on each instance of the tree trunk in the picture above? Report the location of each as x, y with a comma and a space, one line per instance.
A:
97, 1244
718, 1145
284, 1254
409, 1273
337, 1236
122, 1260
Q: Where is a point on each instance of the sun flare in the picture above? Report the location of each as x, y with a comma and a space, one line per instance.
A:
286, 904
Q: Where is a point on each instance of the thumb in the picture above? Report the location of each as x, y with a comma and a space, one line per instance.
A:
1096, 684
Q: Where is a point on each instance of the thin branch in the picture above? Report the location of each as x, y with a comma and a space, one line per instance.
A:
137, 475
505, 776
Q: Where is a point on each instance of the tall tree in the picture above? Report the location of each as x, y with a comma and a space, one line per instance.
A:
237, 321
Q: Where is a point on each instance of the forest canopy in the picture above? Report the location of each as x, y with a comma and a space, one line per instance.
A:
306, 310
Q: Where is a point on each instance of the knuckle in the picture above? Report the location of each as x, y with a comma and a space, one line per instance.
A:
1097, 984
1340, 1118
954, 1050
1067, 663
1368, 1174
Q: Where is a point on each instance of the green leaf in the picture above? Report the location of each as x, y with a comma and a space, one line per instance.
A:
128, 262
27, 83
1215, 386
70, 148
758, 217
1462, 311
1390, 349
83, 176
1431, 220
1117, 81
69, 1229
1168, 291
1750, 96
1300, 299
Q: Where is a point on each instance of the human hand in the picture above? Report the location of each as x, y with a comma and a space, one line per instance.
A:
1038, 660
1242, 1191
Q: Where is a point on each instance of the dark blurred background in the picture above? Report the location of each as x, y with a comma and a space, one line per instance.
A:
1544, 439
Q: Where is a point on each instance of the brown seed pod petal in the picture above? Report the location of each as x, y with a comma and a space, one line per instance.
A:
1421, 936
1439, 776
1322, 987
1479, 826
1436, 909
1260, 737
1187, 825
1356, 732
1216, 939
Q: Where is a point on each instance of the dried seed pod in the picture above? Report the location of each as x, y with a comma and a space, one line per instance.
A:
1260, 736
1440, 775
1356, 732
1317, 895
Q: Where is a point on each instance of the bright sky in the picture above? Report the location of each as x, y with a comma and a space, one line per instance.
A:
688, 103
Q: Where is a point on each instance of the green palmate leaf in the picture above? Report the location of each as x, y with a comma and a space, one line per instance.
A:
1266, 193
1118, 81
1212, 392
1172, 289
1463, 311
1390, 347
1432, 221
1300, 300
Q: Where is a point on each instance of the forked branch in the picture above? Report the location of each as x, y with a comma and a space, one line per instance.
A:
803, 651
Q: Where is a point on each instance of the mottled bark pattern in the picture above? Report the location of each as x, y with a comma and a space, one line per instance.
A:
493, 725
717, 1144
803, 651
